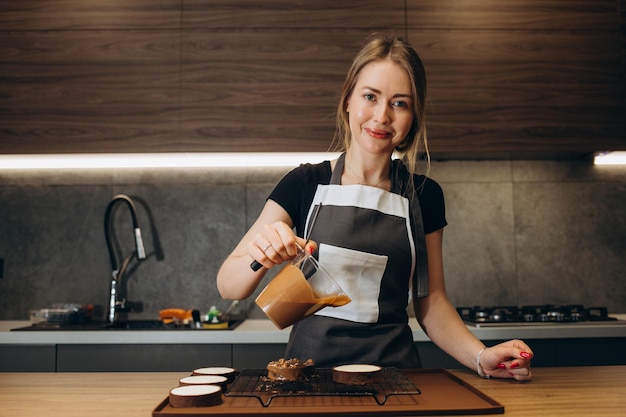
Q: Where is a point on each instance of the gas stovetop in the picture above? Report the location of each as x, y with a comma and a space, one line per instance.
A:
534, 315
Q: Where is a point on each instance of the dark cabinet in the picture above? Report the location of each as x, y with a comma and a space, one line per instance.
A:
214, 76
27, 358
548, 352
140, 358
187, 357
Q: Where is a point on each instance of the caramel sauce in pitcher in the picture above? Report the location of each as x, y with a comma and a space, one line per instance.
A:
289, 298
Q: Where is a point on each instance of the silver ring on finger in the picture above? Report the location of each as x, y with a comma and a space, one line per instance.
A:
267, 247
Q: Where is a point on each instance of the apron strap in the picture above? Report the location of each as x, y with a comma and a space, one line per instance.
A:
335, 178
405, 181
419, 284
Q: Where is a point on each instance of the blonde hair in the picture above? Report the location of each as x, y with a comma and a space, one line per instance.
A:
378, 47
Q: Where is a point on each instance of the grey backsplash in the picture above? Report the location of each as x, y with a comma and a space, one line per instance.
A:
520, 232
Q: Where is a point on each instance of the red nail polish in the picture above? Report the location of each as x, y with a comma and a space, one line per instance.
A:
311, 250
525, 355
514, 365
501, 366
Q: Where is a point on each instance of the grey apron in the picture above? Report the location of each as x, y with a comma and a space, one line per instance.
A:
372, 242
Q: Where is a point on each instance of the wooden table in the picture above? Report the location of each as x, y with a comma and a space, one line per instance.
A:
567, 392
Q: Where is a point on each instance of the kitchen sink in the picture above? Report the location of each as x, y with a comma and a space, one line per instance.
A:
141, 325
128, 325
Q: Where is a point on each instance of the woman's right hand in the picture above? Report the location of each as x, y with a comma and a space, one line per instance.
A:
275, 244
272, 231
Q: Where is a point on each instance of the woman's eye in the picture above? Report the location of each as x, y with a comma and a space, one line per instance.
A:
370, 97
401, 103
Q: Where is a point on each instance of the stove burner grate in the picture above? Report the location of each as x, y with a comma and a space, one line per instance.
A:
546, 313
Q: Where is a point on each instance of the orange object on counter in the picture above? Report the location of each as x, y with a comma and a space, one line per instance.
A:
170, 315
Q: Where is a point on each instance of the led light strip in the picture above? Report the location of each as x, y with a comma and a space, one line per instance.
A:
162, 160
610, 158
195, 160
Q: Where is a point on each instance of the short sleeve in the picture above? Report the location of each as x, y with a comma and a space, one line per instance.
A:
295, 191
432, 204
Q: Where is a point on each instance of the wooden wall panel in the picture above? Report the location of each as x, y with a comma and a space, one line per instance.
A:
295, 14
503, 15
278, 97
532, 78
622, 25
221, 75
100, 91
266, 76
89, 75
38, 15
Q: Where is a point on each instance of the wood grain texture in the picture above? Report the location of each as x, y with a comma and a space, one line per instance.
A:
554, 392
270, 73
503, 16
278, 97
622, 25
97, 91
39, 15
295, 14
527, 76
546, 80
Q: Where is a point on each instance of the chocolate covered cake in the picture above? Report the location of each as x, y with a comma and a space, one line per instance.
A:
290, 370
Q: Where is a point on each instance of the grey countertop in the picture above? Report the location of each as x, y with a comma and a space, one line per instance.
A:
264, 332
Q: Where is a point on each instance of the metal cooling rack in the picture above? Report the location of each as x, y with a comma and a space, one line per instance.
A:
254, 383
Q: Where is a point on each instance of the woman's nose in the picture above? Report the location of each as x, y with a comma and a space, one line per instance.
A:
382, 114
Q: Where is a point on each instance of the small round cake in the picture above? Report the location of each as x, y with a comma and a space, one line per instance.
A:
218, 380
290, 370
229, 373
356, 374
195, 396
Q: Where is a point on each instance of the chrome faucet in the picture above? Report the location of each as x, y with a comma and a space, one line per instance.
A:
117, 271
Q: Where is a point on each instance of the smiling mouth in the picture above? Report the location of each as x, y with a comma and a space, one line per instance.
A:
378, 134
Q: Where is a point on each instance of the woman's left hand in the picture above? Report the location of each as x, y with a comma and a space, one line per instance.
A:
508, 360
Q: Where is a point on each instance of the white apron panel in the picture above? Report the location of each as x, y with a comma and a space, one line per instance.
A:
362, 196
359, 274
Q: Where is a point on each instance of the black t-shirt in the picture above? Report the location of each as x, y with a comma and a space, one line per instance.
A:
295, 192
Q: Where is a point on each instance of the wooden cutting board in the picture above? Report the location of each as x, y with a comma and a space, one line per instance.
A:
439, 392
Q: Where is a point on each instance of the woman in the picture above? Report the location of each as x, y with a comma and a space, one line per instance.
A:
379, 230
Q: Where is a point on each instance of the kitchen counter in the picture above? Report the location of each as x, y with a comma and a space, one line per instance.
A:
554, 392
255, 342
264, 332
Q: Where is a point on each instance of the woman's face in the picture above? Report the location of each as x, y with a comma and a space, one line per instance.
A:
380, 108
